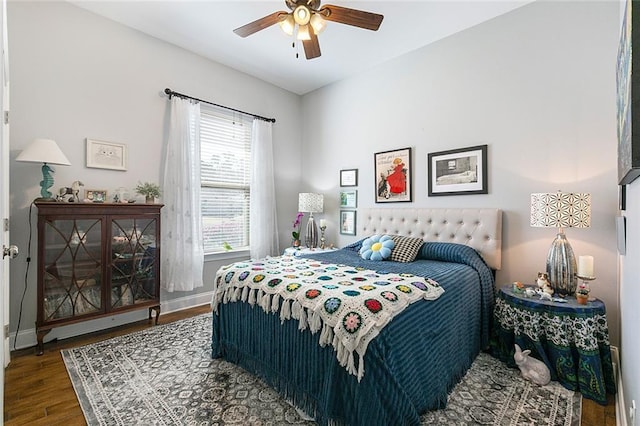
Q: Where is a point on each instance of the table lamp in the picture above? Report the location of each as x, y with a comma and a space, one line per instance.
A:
561, 210
44, 151
310, 203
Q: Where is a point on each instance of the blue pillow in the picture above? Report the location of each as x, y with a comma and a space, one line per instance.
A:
377, 247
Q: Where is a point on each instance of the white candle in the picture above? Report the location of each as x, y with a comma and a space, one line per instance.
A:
323, 223
585, 266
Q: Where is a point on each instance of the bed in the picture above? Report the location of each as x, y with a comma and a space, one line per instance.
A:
410, 364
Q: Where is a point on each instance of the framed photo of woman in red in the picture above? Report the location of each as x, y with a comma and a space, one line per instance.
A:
393, 176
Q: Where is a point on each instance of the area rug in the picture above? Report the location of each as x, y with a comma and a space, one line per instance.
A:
164, 375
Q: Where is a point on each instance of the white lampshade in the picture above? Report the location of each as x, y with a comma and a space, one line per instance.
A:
287, 24
303, 32
310, 203
43, 151
318, 23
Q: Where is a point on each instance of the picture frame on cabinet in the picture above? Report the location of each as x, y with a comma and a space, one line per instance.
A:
95, 195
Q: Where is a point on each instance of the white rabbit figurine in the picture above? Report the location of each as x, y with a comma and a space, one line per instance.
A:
531, 368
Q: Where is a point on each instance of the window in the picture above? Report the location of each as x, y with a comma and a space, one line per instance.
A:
225, 170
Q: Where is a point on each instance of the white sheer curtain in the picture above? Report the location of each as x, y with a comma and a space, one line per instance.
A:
182, 250
263, 227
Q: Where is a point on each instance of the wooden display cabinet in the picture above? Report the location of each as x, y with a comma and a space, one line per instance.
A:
94, 260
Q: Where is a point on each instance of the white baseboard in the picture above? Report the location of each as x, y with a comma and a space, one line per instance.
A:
621, 410
27, 338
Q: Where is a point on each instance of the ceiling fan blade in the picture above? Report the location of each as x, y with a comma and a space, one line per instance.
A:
259, 24
311, 47
357, 18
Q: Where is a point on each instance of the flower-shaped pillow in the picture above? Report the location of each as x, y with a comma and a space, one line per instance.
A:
377, 247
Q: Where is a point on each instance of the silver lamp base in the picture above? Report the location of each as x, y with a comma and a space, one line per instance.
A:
311, 236
561, 266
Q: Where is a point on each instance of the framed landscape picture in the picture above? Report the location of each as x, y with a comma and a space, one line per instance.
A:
393, 175
458, 171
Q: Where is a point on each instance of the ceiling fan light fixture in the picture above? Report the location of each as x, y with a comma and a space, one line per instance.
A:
287, 24
303, 32
302, 15
318, 23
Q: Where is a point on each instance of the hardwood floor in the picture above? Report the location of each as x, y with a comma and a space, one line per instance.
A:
38, 391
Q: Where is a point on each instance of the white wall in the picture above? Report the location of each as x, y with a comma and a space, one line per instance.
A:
629, 295
537, 85
76, 75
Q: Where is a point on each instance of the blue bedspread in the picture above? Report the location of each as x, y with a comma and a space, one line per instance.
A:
410, 367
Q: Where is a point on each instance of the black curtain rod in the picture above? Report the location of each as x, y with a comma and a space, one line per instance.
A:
181, 95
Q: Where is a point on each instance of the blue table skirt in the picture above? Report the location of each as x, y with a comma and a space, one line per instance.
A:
571, 339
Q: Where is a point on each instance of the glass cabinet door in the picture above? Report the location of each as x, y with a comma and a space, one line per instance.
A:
133, 261
72, 268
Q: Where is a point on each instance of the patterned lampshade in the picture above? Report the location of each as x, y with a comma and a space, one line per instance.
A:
561, 210
310, 203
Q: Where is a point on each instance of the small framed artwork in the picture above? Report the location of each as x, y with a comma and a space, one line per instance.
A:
349, 177
106, 155
95, 195
348, 222
349, 199
393, 175
458, 171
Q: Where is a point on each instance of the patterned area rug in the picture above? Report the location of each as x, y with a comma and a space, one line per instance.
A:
164, 376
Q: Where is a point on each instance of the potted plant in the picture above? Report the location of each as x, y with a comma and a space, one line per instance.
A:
295, 234
150, 190
582, 294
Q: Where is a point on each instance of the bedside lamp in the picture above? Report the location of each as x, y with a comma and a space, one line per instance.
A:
44, 151
561, 210
310, 203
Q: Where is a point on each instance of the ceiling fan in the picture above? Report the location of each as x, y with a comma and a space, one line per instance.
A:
307, 19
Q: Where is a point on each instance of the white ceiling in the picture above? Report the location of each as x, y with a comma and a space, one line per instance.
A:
206, 28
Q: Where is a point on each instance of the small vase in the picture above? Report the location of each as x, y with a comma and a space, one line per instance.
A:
150, 200
295, 243
582, 299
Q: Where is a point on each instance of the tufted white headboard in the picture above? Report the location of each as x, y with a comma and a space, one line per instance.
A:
478, 228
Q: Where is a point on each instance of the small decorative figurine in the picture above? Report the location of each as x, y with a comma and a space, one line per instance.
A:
543, 280
531, 368
518, 287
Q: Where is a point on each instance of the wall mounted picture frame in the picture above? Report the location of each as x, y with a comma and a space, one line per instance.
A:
349, 177
349, 199
458, 171
628, 94
95, 195
393, 176
348, 222
106, 155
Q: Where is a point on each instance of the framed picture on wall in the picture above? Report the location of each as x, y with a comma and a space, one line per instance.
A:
106, 155
393, 175
628, 94
348, 222
458, 171
349, 177
349, 199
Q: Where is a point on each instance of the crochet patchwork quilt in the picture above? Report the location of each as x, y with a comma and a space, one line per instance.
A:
348, 305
